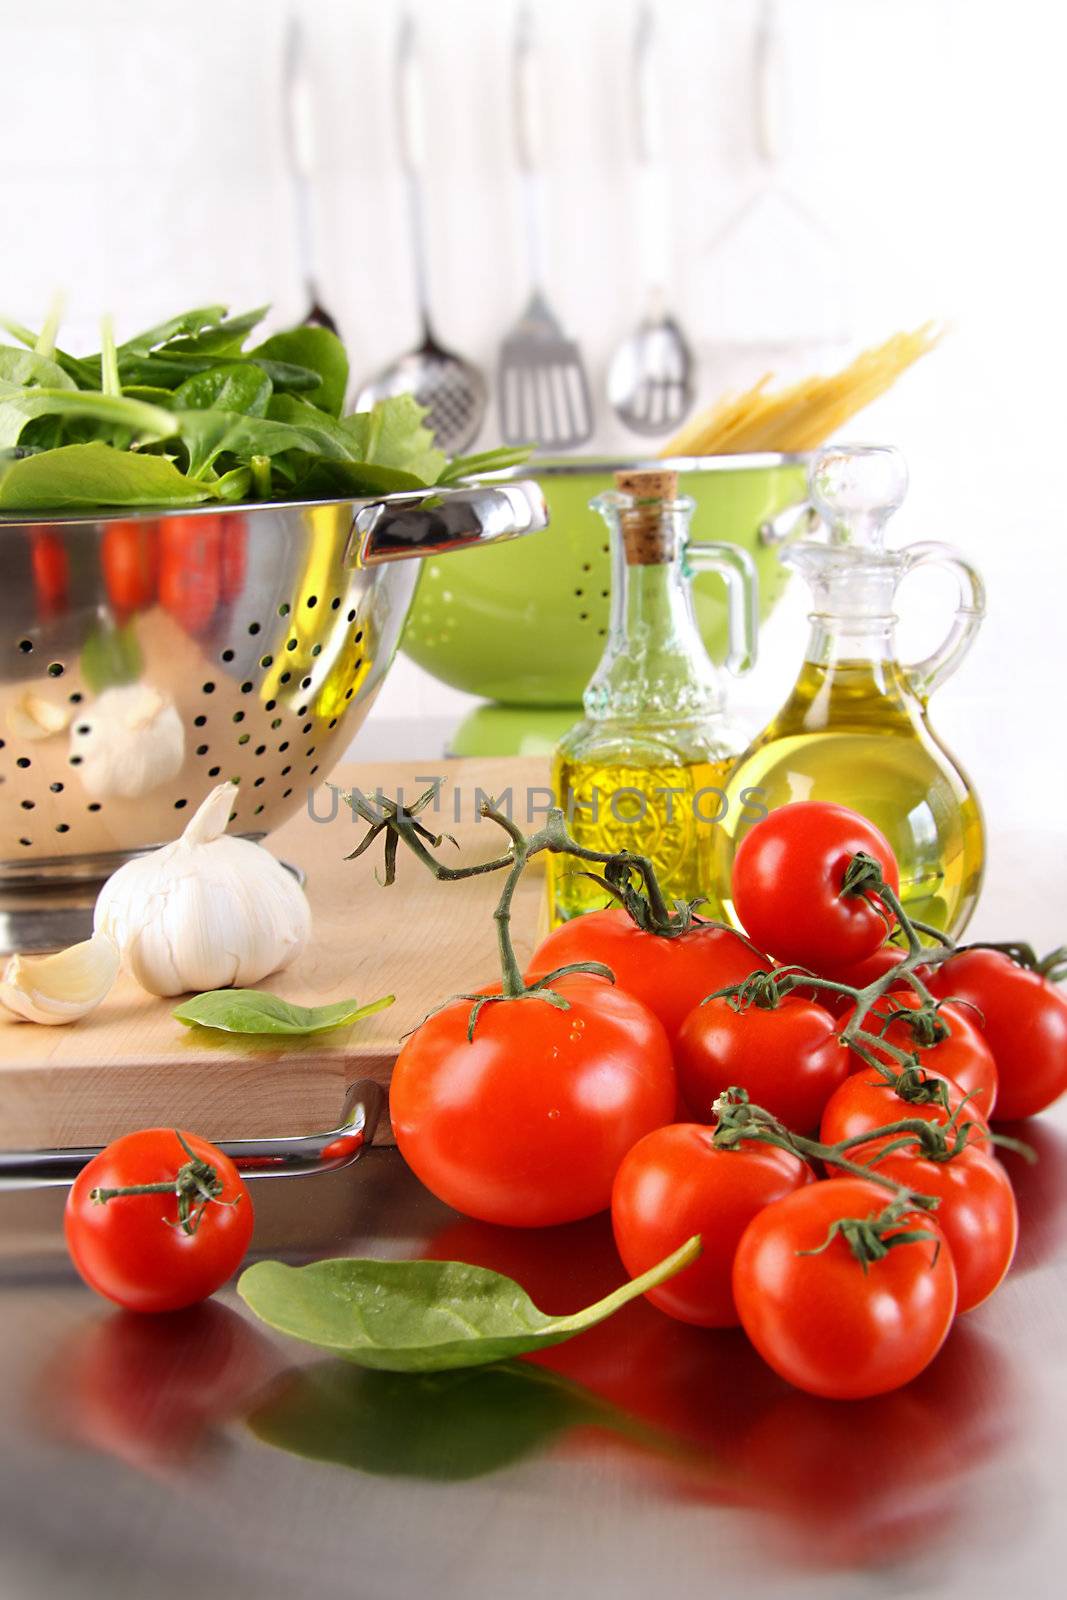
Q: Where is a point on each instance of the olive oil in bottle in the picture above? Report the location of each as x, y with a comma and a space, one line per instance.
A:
645, 768
855, 730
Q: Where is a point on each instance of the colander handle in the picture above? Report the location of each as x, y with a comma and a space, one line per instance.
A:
738, 571
401, 527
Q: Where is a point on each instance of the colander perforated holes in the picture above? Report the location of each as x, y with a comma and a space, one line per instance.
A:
307, 727
94, 805
266, 661
335, 603
238, 716
245, 738
284, 608
23, 761
198, 722
26, 646
62, 827
253, 628
55, 669
352, 616
260, 749
316, 649
259, 783
290, 644
26, 843
75, 761
269, 705
213, 772
257, 810
276, 722
76, 698
227, 655
208, 687
180, 805
285, 677
202, 749
305, 683
283, 746
286, 793
27, 805
56, 788
312, 601
313, 771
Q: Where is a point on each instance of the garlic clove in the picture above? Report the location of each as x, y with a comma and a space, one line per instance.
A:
34, 718
60, 988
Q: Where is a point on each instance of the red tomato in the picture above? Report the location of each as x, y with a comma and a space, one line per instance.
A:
1024, 1019
824, 1321
526, 1123
129, 557
866, 1102
676, 1182
131, 1248
233, 568
787, 879
964, 1056
789, 1059
668, 975
189, 568
977, 1213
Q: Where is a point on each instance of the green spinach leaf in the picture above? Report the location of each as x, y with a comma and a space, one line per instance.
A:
318, 349
26, 367
20, 405
79, 476
423, 1316
251, 1011
231, 386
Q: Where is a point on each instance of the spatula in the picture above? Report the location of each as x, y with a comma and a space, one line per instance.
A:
300, 160
451, 387
542, 387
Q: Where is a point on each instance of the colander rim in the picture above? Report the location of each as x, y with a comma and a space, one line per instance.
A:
598, 466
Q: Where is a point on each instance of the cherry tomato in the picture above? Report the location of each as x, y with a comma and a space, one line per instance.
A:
787, 879
1024, 1019
790, 1059
129, 558
526, 1123
977, 1213
828, 1323
132, 1248
676, 1182
865, 1102
668, 975
233, 561
964, 1056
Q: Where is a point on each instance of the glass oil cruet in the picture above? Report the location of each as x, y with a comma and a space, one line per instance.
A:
855, 730
644, 769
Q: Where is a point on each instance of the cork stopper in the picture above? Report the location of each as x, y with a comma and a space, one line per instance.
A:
647, 535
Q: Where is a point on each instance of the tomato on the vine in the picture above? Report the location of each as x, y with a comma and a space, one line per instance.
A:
827, 1321
158, 1251
788, 876
1024, 1019
526, 1122
862, 973
789, 1057
963, 1055
676, 1182
866, 1102
977, 1213
668, 974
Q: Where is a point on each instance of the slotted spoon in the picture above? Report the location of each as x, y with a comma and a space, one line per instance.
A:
542, 387
451, 387
650, 379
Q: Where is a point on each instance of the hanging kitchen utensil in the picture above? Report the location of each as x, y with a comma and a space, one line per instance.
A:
298, 121
650, 379
542, 388
776, 271
452, 388
254, 1158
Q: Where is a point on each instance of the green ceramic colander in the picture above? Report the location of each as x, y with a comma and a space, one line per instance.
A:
524, 622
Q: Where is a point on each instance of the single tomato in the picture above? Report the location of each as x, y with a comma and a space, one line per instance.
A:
831, 1323
787, 885
1024, 1019
961, 1053
676, 1182
151, 1252
668, 974
526, 1122
977, 1212
190, 576
866, 1102
789, 1058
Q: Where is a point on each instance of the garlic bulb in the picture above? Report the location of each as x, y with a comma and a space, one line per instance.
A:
62, 987
128, 742
204, 912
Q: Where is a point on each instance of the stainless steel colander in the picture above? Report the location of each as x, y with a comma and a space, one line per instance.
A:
145, 658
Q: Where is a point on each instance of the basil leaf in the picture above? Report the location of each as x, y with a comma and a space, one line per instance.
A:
92, 475
238, 386
252, 1011
423, 1316
436, 1425
319, 349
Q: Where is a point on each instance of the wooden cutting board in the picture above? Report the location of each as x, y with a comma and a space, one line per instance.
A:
131, 1065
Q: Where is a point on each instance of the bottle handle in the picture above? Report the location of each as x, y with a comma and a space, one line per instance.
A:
738, 571
929, 674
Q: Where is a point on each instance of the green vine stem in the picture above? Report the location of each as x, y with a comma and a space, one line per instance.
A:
196, 1185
